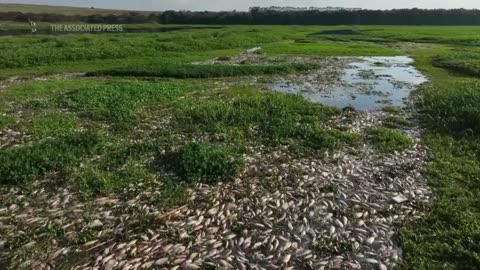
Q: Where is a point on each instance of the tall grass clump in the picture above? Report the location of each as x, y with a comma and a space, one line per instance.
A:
203, 71
207, 163
465, 63
453, 108
388, 140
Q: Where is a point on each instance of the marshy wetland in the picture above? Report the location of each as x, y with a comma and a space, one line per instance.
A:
367, 83
186, 150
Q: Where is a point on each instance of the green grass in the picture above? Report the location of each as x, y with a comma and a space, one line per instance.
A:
6, 120
94, 180
460, 63
55, 137
207, 163
40, 54
27, 163
123, 164
453, 108
54, 123
388, 140
391, 109
43, 51
421, 34
244, 113
396, 122
448, 237
69, 140
330, 49
204, 71
467, 61
173, 194
117, 102
87, 52
36, 91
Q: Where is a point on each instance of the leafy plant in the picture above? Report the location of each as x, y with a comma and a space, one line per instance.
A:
24, 164
387, 139
208, 163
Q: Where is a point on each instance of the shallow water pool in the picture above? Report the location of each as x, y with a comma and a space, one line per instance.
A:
367, 83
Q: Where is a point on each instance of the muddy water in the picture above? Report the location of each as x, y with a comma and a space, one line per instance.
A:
367, 83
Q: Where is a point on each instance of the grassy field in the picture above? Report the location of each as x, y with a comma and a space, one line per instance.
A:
451, 115
146, 115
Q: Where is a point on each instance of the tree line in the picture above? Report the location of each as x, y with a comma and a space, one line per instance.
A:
271, 17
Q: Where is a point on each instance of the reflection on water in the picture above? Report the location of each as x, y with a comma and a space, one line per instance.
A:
368, 83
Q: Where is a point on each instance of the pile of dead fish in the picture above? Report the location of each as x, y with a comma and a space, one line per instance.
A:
340, 210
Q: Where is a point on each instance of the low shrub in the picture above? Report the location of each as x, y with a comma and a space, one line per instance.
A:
207, 163
388, 140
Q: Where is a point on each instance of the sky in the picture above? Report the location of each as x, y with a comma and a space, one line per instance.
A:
158, 5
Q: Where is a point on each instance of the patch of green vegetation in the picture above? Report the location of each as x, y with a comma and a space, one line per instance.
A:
40, 54
453, 109
206, 163
381, 64
421, 34
238, 228
85, 235
387, 139
25, 52
204, 71
117, 101
466, 62
43, 90
224, 58
24, 164
116, 159
245, 113
396, 121
6, 120
93, 180
173, 194
317, 138
448, 237
391, 109
330, 188
332, 247
114, 169
329, 49
52, 125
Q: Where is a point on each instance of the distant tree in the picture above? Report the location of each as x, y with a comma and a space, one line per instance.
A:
257, 15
